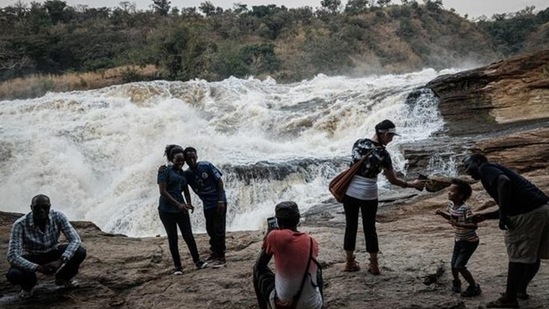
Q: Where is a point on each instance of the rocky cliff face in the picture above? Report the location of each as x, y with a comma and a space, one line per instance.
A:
501, 110
498, 110
499, 96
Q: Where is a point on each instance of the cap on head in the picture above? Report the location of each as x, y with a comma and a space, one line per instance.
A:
386, 126
476, 157
286, 210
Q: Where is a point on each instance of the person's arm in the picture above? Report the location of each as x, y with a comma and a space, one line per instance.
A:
393, 179
481, 216
262, 262
15, 250
443, 214
221, 196
504, 198
468, 222
70, 233
187, 195
221, 199
162, 188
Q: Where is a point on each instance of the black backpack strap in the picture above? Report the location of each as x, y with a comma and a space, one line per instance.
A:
296, 297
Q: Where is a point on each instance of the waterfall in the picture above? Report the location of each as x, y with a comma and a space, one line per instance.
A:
96, 153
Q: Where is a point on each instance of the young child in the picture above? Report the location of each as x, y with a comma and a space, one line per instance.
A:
459, 215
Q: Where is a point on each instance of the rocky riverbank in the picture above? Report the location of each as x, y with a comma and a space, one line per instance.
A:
415, 246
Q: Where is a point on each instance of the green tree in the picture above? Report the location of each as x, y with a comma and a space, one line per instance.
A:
356, 6
331, 6
383, 3
207, 7
161, 7
260, 58
56, 10
433, 5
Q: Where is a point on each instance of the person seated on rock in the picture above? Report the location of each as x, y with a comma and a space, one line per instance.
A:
459, 215
34, 247
297, 281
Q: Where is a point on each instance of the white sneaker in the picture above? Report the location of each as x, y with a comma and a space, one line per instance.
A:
69, 284
26, 294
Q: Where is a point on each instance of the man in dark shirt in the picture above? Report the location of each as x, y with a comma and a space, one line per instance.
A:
205, 180
523, 213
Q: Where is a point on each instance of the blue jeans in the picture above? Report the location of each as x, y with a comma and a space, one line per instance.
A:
463, 250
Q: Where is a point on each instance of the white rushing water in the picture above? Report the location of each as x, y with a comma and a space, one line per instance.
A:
96, 153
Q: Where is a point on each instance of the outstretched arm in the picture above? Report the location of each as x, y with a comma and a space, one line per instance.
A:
393, 179
443, 214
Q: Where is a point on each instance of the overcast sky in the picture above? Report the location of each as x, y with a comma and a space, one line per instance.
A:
474, 8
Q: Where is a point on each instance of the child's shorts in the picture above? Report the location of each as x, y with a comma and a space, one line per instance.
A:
462, 253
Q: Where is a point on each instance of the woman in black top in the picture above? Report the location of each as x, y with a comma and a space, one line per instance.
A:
172, 208
362, 194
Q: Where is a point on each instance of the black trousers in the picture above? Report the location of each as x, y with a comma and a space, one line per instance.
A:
369, 211
264, 284
27, 279
216, 229
171, 221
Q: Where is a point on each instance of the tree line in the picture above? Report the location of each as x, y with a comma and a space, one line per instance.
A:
289, 44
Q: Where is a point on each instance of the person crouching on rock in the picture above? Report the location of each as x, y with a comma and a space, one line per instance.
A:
34, 247
459, 215
362, 196
297, 281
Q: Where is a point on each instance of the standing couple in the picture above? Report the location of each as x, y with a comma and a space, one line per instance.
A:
205, 180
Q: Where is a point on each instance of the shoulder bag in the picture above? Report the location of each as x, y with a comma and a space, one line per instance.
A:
338, 186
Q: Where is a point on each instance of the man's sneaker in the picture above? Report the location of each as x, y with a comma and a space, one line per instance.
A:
503, 302
201, 264
218, 263
210, 258
178, 271
520, 295
26, 294
456, 286
67, 283
472, 290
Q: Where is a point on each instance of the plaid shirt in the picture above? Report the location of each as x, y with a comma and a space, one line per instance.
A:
27, 239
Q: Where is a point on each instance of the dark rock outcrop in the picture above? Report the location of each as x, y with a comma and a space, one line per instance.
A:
505, 94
